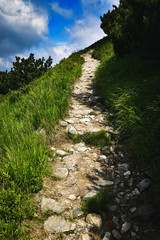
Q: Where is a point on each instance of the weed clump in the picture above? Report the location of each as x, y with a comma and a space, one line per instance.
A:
99, 139
97, 204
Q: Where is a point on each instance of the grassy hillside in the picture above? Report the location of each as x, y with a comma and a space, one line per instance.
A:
130, 88
27, 118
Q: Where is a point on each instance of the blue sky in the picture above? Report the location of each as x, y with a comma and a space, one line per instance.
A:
48, 27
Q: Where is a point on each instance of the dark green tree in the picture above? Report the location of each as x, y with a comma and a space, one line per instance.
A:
23, 72
134, 25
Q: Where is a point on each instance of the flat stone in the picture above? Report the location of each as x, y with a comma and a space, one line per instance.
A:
90, 194
71, 160
72, 197
107, 236
127, 174
115, 220
144, 184
85, 237
53, 149
116, 234
82, 149
132, 210
63, 123
58, 225
144, 212
102, 158
51, 205
94, 219
125, 227
94, 130
123, 167
61, 172
136, 192
103, 183
85, 120
130, 182
72, 130
77, 212
70, 121
61, 152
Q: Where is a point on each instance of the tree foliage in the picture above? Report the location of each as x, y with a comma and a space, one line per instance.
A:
134, 25
23, 72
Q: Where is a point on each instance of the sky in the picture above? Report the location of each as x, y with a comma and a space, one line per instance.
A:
48, 28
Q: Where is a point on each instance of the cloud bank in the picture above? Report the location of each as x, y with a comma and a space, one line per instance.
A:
22, 26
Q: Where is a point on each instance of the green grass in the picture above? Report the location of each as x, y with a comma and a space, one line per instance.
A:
130, 88
23, 150
99, 139
103, 49
97, 204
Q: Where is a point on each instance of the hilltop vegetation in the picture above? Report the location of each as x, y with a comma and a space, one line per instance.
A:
23, 72
27, 118
128, 79
134, 25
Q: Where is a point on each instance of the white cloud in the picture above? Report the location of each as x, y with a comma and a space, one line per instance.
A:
98, 6
22, 25
67, 13
85, 32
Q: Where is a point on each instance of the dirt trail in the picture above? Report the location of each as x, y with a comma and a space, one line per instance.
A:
82, 171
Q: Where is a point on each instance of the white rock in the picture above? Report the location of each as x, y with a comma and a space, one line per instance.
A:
111, 149
63, 123
61, 152
72, 130
61, 172
132, 210
127, 174
94, 130
53, 148
94, 219
58, 225
103, 183
125, 227
136, 192
52, 205
144, 184
102, 158
107, 236
76, 212
84, 120
123, 167
72, 197
85, 237
90, 194
115, 220
83, 149
70, 121
130, 182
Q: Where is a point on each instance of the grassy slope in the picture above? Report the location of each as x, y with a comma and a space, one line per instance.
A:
23, 149
130, 88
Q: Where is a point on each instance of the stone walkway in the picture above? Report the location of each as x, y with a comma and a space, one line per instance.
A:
82, 171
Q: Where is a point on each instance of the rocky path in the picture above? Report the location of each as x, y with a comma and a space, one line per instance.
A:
81, 171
